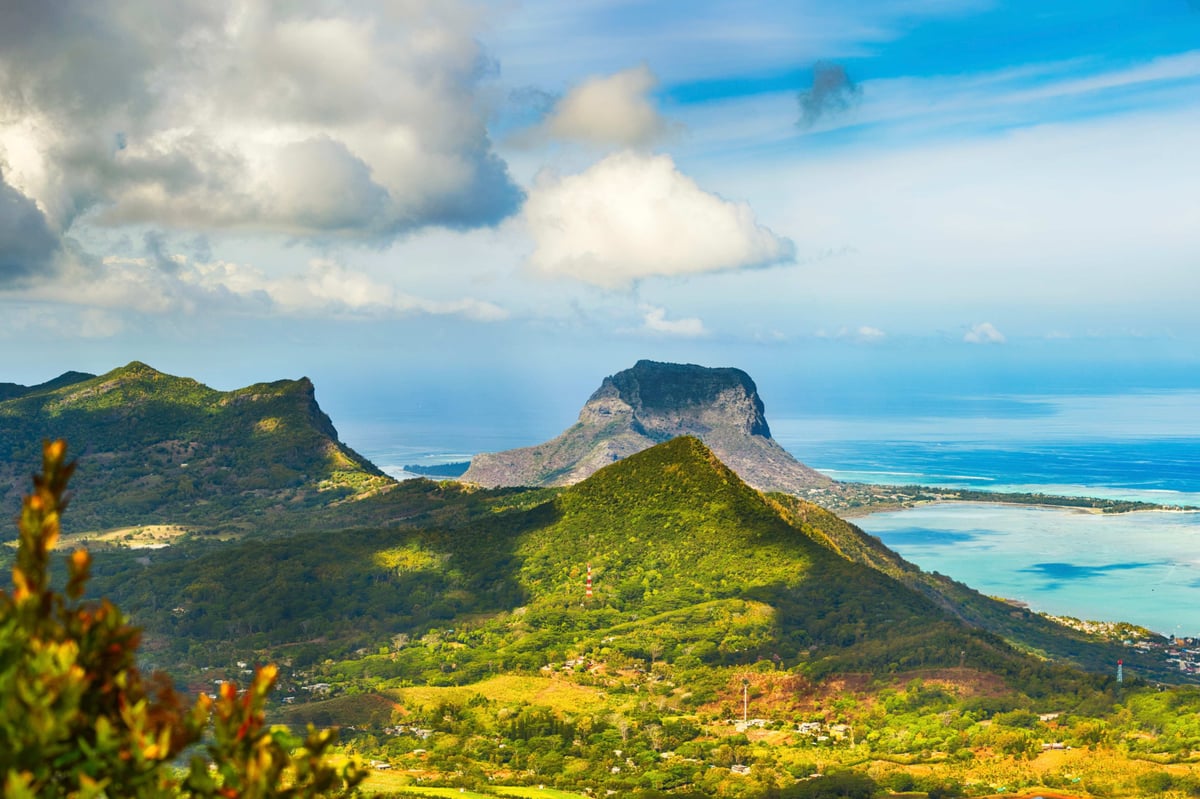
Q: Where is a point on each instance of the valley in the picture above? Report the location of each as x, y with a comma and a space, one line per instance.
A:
656, 626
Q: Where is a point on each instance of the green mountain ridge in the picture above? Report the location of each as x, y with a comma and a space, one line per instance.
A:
14, 390
689, 565
450, 629
462, 649
159, 449
265, 460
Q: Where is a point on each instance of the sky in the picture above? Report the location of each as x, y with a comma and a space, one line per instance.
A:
488, 206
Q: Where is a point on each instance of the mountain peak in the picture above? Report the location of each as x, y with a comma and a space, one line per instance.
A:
134, 370
666, 397
159, 448
681, 455
665, 473
14, 390
648, 404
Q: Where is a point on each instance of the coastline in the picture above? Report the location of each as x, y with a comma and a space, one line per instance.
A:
856, 500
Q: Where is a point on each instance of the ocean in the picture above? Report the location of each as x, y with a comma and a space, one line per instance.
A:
1141, 567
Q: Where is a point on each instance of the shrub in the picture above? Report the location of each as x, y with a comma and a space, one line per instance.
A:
78, 719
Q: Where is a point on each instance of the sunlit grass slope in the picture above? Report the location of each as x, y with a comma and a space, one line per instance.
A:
689, 565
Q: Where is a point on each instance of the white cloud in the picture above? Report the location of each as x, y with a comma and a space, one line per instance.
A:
655, 320
307, 119
984, 333
324, 289
330, 287
98, 323
865, 334
632, 216
611, 110
44, 321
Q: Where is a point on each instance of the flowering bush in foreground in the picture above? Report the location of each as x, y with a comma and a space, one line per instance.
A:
77, 718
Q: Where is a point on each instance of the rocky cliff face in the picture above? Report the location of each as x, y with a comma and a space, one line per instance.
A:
646, 405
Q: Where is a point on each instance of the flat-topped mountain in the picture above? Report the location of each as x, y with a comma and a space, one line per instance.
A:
647, 405
159, 449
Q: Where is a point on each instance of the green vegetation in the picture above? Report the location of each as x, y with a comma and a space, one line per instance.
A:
12, 390
447, 630
688, 563
1036, 498
857, 499
77, 719
459, 645
169, 450
1069, 642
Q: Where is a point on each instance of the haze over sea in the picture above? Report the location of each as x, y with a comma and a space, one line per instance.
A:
1141, 567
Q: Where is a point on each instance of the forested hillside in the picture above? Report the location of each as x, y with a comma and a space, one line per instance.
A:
459, 640
688, 563
158, 449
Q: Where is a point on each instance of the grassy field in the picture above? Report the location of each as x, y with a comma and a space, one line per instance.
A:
399, 784
383, 782
146, 536
529, 792
559, 695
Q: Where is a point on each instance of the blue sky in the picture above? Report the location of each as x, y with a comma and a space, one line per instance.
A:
483, 201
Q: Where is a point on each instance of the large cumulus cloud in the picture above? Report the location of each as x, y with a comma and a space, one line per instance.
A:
311, 119
632, 216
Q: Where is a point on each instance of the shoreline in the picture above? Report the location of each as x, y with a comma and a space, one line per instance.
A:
856, 500
861, 512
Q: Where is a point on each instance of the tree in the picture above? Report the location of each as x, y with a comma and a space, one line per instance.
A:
78, 719
847, 784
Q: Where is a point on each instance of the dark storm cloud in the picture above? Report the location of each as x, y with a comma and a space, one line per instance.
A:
27, 244
832, 92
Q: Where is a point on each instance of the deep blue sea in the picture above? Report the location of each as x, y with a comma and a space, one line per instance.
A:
1140, 567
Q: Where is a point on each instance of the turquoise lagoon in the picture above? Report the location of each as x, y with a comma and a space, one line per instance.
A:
1141, 567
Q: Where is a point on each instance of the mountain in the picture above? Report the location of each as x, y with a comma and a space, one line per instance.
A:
647, 405
690, 566
471, 652
164, 450
159, 449
13, 390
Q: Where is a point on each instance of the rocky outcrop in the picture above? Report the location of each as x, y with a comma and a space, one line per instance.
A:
647, 405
